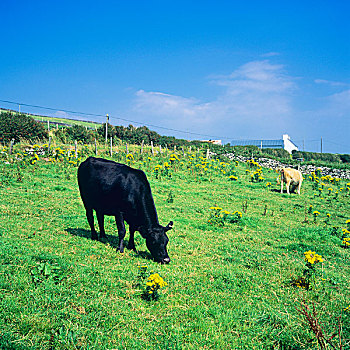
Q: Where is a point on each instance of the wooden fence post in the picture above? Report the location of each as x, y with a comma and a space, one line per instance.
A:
111, 147
142, 146
11, 146
160, 149
95, 147
152, 148
207, 153
48, 125
183, 151
49, 145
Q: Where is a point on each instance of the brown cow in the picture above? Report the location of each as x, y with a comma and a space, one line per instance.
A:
290, 177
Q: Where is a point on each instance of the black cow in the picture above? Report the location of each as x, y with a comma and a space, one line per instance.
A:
115, 189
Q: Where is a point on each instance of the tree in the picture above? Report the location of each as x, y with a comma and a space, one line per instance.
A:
20, 126
101, 131
80, 133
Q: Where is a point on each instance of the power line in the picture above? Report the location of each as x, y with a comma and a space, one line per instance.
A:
114, 118
136, 122
336, 143
53, 109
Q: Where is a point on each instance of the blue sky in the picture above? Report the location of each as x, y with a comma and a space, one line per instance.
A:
228, 69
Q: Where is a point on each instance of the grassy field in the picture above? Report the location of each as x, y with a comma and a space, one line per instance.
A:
230, 285
68, 121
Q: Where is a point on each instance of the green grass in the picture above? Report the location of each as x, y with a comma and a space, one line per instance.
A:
228, 287
69, 121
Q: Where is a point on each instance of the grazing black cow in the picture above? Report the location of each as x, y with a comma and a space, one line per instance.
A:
115, 189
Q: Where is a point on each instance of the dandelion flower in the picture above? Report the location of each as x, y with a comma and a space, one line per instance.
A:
312, 257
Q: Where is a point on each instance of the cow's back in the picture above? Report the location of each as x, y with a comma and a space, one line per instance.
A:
291, 174
110, 187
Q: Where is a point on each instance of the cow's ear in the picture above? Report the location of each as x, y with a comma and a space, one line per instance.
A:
169, 226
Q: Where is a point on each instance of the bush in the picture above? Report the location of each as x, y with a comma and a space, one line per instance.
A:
79, 133
20, 126
276, 152
101, 132
345, 158
246, 151
314, 156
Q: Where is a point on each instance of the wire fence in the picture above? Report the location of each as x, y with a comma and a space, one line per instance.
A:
317, 145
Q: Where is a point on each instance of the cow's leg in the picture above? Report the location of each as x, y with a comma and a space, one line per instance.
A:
288, 185
121, 231
131, 243
299, 185
90, 219
281, 184
101, 224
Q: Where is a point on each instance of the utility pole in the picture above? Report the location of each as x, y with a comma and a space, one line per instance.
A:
107, 119
321, 144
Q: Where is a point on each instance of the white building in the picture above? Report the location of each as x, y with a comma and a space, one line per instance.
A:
214, 142
288, 144
285, 143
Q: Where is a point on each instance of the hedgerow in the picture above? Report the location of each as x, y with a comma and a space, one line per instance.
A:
20, 126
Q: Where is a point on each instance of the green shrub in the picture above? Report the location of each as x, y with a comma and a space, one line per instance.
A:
345, 158
314, 156
101, 131
79, 133
19, 126
276, 152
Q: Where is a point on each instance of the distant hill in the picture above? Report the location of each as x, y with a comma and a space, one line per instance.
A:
57, 120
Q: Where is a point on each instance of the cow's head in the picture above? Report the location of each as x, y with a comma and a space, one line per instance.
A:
157, 241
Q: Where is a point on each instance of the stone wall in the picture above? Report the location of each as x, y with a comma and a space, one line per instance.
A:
305, 169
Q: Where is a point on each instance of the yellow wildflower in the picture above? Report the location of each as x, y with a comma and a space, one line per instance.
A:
312, 257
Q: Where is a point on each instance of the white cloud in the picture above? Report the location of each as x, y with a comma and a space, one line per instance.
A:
329, 120
338, 105
161, 103
259, 76
61, 114
256, 99
270, 54
329, 82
